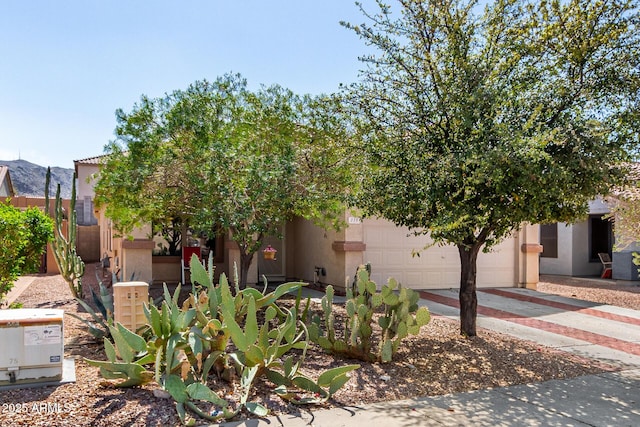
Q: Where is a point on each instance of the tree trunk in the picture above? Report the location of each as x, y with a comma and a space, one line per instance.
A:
184, 241
467, 296
245, 263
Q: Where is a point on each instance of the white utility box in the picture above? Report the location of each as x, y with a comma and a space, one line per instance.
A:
31, 345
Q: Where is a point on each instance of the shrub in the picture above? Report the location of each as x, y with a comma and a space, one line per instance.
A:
399, 316
23, 239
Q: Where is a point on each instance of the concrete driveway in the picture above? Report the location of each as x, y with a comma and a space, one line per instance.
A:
602, 332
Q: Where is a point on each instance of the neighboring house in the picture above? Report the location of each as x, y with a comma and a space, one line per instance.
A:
625, 246
85, 170
88, 237
572, 249
88, 241
310, 253
6, 188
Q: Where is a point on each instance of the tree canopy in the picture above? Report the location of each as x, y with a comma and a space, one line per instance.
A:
220, 156
475, 122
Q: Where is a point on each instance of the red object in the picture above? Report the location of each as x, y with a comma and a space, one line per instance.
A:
188, 252
606, 274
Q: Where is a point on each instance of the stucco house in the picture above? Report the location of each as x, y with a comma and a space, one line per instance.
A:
6, 188
310, 253
572, 249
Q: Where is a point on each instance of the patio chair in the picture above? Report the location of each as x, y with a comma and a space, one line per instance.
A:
607, 268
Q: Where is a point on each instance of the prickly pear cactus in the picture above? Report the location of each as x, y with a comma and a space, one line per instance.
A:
398, 317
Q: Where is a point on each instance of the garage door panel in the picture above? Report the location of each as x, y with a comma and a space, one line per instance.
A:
376, 236
382, 277
389, 250
431, 257
451, 261
378, 278
414, 259
395, 257
374, 257
413, 277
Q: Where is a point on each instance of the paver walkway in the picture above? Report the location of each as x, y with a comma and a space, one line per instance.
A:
603, 332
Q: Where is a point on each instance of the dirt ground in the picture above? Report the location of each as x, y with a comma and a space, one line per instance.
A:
436, 362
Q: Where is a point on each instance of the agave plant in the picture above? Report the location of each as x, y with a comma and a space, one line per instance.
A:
216, 330
98, 325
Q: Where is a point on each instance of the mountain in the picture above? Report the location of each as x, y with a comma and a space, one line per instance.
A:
28, 179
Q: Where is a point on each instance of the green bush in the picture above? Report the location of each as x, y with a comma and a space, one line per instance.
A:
399, 316
23, 239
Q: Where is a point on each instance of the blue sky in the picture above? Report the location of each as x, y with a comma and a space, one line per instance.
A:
66, 66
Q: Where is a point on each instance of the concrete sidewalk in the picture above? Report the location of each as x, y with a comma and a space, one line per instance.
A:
606, 333
611, 399
19, 286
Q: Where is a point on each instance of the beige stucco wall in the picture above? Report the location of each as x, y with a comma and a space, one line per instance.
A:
136, 261
337, 252
232, 258
128, 255
84, 185
166, 269
310, 248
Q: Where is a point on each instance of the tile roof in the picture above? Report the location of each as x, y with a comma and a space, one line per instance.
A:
96, 160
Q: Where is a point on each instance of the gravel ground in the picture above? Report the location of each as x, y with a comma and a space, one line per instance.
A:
438, 361
622, 294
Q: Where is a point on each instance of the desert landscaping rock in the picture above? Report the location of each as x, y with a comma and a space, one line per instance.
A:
436, 362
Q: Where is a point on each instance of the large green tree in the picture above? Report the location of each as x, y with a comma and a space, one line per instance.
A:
220, 156
23, 239
475, 122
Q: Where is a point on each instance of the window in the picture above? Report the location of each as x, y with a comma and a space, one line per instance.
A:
549, 240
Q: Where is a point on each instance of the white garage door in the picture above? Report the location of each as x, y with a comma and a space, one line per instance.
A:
389, 250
